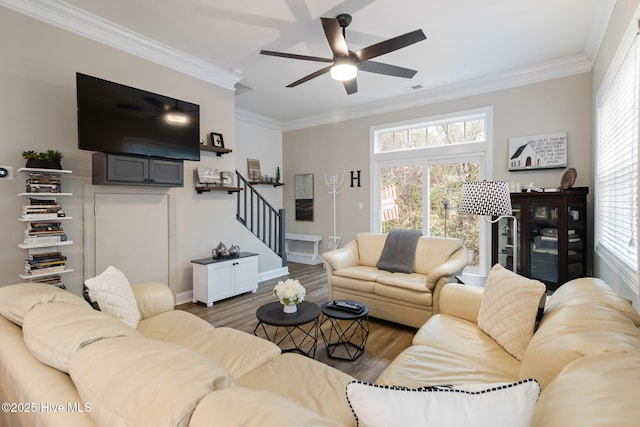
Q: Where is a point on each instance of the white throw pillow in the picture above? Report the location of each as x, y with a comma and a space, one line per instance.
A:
112, 291
509, 308
475, 405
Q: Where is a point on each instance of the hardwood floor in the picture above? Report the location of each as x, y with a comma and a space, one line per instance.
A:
386, 340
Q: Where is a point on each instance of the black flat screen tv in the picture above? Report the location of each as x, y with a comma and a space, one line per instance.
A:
118, 119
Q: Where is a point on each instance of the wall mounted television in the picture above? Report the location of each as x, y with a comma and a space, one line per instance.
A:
118, 119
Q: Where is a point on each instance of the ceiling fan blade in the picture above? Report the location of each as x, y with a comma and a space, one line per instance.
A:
351, 86
390, 45
295, 56
389, 70
335, 37
310, 76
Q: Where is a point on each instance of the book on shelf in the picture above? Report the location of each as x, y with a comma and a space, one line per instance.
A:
54, 269
45, 255
30, 240
42, 266
40, 202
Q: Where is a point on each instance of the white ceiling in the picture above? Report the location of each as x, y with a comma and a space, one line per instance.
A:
471, 45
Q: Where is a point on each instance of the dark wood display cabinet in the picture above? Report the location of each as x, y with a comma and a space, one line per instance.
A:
552, 236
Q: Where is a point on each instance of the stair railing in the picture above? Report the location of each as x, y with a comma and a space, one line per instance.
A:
262, 219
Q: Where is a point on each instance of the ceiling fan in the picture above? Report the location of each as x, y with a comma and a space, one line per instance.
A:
346, 62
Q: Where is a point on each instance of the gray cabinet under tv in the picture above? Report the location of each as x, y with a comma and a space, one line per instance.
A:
118, 169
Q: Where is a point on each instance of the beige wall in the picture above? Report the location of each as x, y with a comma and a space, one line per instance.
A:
38, 111
556, 105
623, 19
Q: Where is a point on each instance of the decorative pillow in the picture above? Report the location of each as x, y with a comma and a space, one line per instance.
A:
508, 309
476, 405
55, 332
112, 291
17, 300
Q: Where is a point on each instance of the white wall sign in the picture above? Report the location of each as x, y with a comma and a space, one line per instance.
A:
538, 151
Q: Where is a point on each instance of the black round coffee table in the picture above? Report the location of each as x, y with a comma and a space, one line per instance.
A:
293, 331
347, 333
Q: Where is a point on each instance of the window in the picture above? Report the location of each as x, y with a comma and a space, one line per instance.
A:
616, 216
418, 169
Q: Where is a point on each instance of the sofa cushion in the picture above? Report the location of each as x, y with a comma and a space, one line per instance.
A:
432, 252
24, 379
593, 391
55, 332
236, 351
306, 381
112, 291
571, 332
464, 338
589, 290
144, 382
370, 247
228, 408
414, 282
477, 405
152, 298
369, 274
421, 365
17, 300
508, 309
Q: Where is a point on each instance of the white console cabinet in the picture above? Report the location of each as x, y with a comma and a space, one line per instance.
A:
220, 278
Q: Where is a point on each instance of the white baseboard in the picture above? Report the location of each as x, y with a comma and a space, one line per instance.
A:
183, 297
272, 274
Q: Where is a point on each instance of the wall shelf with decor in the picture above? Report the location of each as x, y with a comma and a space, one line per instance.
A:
275, 184
44, 232
206, 188
218, 150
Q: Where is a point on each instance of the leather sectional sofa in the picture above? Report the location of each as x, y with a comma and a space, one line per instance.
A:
405, 298
70, 365
174, 369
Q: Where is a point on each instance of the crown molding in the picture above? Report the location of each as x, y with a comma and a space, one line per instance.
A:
77, 21
546, 71
257, 119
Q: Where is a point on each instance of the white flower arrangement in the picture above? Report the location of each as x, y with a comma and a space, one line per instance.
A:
290, 291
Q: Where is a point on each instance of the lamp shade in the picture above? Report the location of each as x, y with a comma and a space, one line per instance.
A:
490, 198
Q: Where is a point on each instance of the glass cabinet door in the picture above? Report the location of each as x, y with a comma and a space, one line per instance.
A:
543, 242
505, 239
576, 238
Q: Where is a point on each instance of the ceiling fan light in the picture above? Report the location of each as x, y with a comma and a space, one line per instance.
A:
344, 72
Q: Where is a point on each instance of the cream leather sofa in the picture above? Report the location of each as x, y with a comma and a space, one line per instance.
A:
408, 299
585, 355
70, 365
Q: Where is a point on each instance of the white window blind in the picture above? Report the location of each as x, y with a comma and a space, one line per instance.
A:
617, 169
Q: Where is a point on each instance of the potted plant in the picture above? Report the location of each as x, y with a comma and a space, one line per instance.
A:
49, 159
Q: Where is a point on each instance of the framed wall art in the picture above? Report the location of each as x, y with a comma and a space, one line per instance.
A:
217, 140
546, 151
304, 197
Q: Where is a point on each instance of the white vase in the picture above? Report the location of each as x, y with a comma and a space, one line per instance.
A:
290, 308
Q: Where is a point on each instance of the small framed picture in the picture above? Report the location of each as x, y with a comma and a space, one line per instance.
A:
540, 212
216, 140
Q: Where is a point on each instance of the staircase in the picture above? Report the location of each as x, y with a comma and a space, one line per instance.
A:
262, 219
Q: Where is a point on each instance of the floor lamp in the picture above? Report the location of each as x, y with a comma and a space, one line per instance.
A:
490, 199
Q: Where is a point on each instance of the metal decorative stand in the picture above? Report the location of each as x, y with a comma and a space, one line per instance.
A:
333, 183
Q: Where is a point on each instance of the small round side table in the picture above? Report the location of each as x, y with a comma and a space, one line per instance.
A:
347, 332
290, 328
